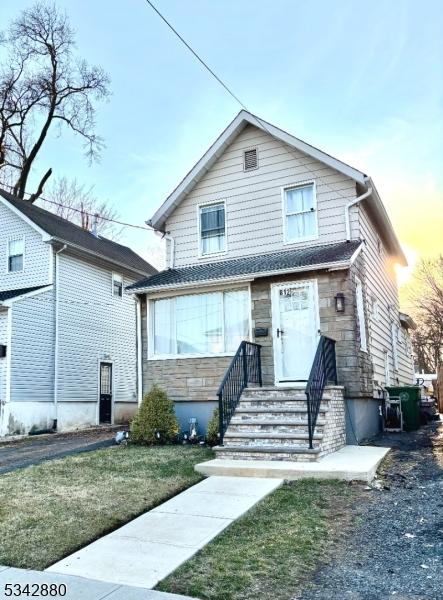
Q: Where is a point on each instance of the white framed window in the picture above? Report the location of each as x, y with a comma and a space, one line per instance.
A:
16, 254
199, 324
212, 228
300, 213
117, 285
361, 314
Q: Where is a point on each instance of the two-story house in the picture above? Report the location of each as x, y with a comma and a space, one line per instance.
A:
272, 241
68, 341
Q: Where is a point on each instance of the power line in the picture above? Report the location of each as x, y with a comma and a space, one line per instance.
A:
259, 121
206, 66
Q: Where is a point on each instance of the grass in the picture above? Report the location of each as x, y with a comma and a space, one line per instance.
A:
50, 510
269, 551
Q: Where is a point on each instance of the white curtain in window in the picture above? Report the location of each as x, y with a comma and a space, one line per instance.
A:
300, 213
199, 324
15, 247
164, 326
236, 319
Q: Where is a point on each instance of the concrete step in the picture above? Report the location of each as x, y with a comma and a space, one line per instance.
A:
270, 427
279, 412
281, 453
264, 420
270, 402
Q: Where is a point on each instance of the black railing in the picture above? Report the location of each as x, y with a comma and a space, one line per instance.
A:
245, 368
323, 371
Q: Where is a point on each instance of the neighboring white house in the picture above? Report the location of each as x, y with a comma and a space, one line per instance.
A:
68, 342
273, 241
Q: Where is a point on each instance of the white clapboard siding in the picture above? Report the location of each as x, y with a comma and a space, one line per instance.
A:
94, 324
3, 361
32, 349
253, 199
37, 253
381, 285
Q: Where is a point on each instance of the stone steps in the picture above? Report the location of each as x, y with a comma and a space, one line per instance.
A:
282, 452
256, 426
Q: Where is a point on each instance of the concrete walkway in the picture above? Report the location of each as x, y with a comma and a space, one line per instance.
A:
147, 549
351, 463
78, 588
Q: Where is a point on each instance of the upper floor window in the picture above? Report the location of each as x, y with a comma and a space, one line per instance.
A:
212, 228
300, 213
16, 251
117, 285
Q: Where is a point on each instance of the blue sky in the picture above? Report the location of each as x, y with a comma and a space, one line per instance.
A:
361, 80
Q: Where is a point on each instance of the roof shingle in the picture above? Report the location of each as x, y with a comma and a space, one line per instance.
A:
8, 294
73, 234
252, 265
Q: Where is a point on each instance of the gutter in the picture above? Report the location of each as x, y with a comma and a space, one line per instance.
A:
139, 350
347, 208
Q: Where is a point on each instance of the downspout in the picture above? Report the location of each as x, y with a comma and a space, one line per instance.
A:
348, 206
56, 335
139, 351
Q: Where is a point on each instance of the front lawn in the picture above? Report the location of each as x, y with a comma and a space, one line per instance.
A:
272, 550
50, 510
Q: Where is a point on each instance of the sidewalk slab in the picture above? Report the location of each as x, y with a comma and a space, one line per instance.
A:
79, 588
146, 550
351, 463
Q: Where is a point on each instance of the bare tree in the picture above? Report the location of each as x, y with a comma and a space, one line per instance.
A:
77, 203
43, 84
427, 297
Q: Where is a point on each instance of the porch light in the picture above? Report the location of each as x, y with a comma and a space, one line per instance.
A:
340, 302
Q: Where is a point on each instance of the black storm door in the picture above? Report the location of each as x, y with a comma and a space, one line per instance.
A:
105, 392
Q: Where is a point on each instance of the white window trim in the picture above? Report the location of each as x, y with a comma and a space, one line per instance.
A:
114, 276
292, 186
394, 341
211, 254
13, 238
361, 318
150, 327
244, 153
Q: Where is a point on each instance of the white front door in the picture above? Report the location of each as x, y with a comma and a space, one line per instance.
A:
295, 330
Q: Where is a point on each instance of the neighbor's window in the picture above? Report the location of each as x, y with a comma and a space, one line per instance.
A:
200, 324
300, 213
212, 228
16, 249
117, 285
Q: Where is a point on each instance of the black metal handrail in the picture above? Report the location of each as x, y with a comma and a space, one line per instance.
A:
245, 368
323, 371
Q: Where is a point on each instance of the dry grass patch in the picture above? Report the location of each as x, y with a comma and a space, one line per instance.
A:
50, 510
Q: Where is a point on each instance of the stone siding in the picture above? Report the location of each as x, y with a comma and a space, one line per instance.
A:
334, 431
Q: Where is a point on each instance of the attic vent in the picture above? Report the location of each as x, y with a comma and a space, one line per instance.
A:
250, 160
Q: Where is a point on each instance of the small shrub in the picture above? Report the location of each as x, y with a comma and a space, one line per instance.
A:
212, 437
155, 422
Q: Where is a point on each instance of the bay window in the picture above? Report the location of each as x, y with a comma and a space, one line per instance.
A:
212, 228
199, 324
300, 213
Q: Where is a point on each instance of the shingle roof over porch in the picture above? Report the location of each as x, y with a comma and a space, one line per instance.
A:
315, 257
9, 294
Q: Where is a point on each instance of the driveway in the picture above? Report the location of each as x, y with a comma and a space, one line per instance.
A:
36, 449
394, 548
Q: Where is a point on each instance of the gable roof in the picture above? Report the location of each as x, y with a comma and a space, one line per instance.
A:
66, 232
303, 259
245, 118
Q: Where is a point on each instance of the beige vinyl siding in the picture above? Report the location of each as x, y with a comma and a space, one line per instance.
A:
254, 218
381, 285
36, 258
94, 325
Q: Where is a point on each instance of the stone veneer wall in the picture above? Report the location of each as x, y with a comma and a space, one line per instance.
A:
196, 380
334, 432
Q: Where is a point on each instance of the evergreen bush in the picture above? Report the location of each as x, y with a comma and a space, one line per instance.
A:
212, 437
155, 421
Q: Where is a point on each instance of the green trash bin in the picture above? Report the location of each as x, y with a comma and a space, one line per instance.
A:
410, 404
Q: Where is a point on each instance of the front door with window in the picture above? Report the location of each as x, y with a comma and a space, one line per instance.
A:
105, 407
295, 328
